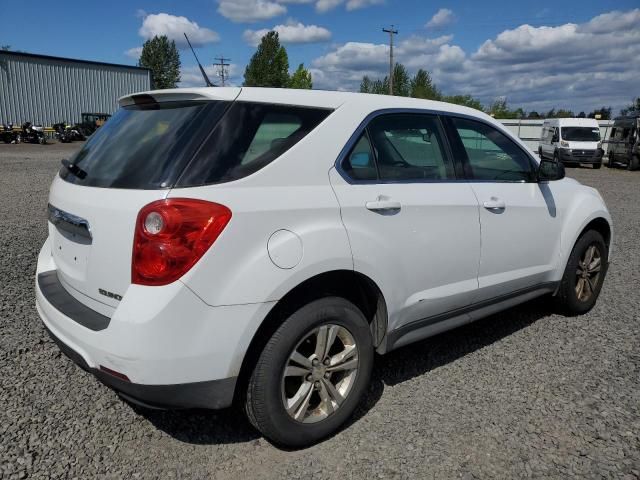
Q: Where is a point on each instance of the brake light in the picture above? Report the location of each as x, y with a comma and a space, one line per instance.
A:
170, 237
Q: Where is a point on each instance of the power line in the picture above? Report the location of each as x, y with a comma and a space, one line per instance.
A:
222, 72
391, 33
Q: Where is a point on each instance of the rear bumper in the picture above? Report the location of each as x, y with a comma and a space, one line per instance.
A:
570, 157
175, 350
213, 394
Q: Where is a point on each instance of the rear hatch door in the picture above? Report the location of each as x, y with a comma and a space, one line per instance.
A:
133, 160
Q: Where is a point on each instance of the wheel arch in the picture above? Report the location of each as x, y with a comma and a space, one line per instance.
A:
351, 285
599, 221
600, 225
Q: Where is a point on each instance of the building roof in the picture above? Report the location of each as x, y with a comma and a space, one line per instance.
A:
65, 59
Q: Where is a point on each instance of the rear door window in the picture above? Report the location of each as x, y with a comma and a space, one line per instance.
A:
410, 147
360, 164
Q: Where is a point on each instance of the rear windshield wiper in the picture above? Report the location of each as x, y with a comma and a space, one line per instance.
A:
76, 170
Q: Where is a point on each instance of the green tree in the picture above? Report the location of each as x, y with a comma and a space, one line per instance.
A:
269, 66
562, 113
366, 85
634, 108
465, 100
499, 109
603, 112
401, 81
533, 115
5, 47
582, 115
381, 87
301, 78
161, 56
422, 86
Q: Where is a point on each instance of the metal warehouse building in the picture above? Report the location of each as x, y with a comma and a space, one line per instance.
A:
46, 90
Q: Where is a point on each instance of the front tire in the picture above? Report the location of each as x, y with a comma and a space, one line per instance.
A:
311, 374
634, 163
584, 274
596, 166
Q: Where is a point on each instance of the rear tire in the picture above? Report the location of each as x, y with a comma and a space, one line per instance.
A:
596, 166
584, 274
290, 370
634, 163
610, 162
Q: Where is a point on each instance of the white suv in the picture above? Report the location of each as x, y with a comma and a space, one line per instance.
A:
262, 244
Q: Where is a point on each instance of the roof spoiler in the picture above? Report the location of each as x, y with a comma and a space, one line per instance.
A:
179, 95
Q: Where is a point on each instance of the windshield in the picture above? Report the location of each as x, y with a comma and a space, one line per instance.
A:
581, 134
145, 146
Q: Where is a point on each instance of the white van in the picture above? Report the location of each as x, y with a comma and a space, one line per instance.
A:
572, 141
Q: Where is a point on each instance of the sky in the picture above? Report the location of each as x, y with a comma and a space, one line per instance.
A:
575, 54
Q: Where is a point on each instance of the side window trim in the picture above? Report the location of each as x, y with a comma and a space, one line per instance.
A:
364, 127
461, 152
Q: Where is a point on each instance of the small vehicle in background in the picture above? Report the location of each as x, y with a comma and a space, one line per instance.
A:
63, 132
624, 142
91, 122
571, 141
33, 133
8, 135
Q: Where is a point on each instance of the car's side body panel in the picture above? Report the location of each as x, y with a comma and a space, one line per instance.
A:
520, 243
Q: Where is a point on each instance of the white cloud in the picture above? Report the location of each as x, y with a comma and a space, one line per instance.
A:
134, 52
293, 32
358, 4
323, 6
578, 66
441, 19
250, 10
174, 27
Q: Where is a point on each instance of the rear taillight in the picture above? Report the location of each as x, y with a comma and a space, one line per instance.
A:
171, 235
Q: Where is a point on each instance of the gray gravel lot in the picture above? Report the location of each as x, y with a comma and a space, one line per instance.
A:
523, 393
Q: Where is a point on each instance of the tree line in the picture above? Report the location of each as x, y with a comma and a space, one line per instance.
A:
269, 67
421, 85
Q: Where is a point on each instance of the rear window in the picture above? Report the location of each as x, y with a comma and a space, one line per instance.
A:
145, 146
162, 145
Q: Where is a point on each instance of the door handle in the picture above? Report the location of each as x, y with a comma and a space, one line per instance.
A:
494, 203
383, 205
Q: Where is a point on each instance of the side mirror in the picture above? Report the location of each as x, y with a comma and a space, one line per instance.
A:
555, 139
549, 170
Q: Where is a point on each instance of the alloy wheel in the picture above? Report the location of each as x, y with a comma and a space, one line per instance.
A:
588, 273
320, 373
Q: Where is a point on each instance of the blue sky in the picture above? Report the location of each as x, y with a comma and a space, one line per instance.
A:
577, 54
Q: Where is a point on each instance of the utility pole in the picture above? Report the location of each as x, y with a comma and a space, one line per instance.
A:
391, 33
222, 65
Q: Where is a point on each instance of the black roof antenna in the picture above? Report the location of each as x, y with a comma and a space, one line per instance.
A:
204, 75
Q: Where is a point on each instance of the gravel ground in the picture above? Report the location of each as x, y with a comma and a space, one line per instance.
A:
525, 393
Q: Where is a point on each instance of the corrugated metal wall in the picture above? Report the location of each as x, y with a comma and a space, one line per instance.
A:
46, 91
